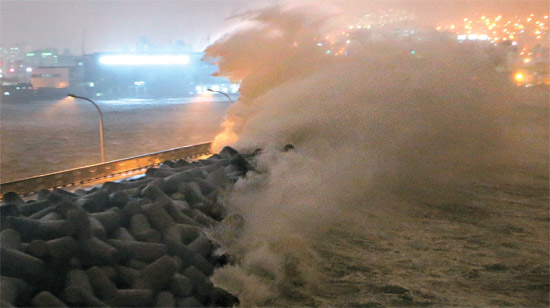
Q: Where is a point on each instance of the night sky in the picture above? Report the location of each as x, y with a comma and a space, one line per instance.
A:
114, 25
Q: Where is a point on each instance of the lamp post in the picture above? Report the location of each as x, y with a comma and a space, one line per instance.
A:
100, 123
229, 98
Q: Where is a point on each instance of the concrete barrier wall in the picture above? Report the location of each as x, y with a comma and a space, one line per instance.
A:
97, 171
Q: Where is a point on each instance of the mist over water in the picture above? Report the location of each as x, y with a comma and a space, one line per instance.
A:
394, 122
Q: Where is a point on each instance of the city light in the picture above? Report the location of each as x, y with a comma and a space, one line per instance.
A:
472, 37
144, 60
501, 29
29, 70
518, 77
203, 89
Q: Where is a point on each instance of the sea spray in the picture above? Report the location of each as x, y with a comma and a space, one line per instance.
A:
393, 118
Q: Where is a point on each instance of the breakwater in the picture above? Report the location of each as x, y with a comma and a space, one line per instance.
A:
133, 243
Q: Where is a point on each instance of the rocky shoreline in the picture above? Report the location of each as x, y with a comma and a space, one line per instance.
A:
133, 243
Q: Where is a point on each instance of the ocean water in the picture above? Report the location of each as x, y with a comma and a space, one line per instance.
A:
484, 244
47, 136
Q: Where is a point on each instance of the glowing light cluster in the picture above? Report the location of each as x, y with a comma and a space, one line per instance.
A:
336, 42
144, 59
203, 89
473, 37
500, 29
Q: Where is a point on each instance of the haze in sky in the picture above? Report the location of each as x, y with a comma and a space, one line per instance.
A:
93, 26
114, 25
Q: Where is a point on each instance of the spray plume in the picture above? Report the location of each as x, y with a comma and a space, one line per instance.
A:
390, 118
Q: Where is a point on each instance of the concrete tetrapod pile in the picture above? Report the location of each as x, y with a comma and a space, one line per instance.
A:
134, 243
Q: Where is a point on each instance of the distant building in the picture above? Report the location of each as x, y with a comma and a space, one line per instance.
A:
12, 67
51, 77
50, 57
146, 74
42, 57
151, 71
144, 45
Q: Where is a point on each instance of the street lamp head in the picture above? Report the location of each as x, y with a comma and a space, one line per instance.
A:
216, 91
71, 95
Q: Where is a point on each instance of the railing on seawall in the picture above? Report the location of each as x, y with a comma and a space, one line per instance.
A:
97, 171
